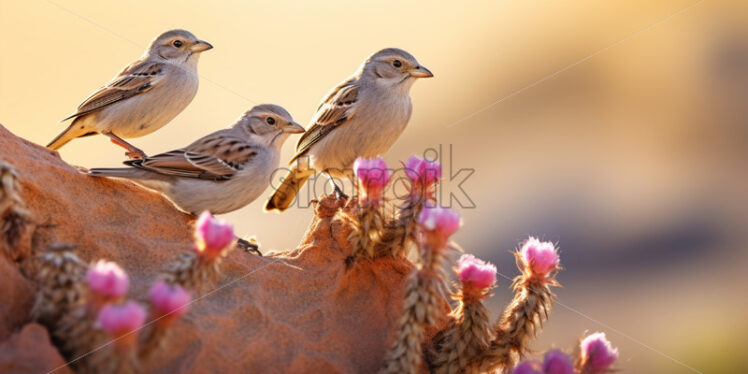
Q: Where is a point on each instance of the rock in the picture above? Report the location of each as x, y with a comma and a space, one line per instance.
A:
17, 295
30, 351
306, 310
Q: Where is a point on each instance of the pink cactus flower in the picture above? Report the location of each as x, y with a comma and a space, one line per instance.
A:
169, 301
119, 320
107, 280
212, 236
527, 367
475, 273
598, 355
439, 223
422, 172
541, 257
557, 362
373, 175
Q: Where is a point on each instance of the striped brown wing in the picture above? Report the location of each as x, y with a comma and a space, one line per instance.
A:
335, 110
213, 157
133, 80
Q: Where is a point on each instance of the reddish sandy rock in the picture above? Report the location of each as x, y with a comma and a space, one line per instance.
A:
103, 218
303, 311
307, 310
17, 297
30, 351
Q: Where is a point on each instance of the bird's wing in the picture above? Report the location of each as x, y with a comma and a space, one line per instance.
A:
215, 157
135, 79
335, 110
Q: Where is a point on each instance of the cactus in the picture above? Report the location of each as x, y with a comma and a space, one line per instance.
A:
16, 223
367, 220
167, 304
425, 289
469, 332
60, 275
532, 304
593, 355
87, 309
122, 323
195, 270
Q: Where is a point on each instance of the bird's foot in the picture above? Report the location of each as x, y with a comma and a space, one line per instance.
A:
135, 154
339, 194
249, 246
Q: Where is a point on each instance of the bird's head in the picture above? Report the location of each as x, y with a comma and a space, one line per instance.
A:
268, 124
394, 67
179, 46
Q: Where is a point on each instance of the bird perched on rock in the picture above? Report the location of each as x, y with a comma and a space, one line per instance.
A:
144, 96
361, 117
220, 172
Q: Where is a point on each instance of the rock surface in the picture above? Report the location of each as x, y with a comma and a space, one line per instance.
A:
306, 310
30, 351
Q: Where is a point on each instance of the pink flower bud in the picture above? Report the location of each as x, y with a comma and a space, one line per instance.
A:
118, 320
540, 257
598, 355
527, 367
373, 175
212, 236
422, 172
557, 362
475, 273
168, 301
107, 280
439, 223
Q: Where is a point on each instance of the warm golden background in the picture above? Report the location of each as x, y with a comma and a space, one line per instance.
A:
633, 160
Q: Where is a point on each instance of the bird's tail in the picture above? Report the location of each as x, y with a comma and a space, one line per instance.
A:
71, 132
118, 172
286, 193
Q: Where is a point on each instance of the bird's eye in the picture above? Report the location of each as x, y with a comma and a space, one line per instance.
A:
397, 63
177, 43
270, 121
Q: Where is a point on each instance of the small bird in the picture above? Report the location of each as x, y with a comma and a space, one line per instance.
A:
361, 117
220, 172
144, 96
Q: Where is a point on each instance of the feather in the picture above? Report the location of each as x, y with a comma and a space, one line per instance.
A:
335, 110
216, 157
135, 79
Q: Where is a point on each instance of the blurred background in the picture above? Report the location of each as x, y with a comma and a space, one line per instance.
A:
632, 160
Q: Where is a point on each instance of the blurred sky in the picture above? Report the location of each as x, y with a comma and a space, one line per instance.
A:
633, 160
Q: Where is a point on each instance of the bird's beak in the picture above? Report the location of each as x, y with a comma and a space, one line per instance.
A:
200, 46
420, 72
293, 128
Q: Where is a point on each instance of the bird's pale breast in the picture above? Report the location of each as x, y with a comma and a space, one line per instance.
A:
374, 128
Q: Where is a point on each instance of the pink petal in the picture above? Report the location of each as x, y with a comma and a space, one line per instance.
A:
107, 279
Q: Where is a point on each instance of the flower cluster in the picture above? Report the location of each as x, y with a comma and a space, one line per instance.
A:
595, 356
422, 173
212, 236
120, 320
475, 273
439, 224
373, 176
107, 281
168, 302
539, 259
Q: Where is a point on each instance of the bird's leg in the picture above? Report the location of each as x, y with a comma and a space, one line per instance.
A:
248, 246
338, 191
132, 153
